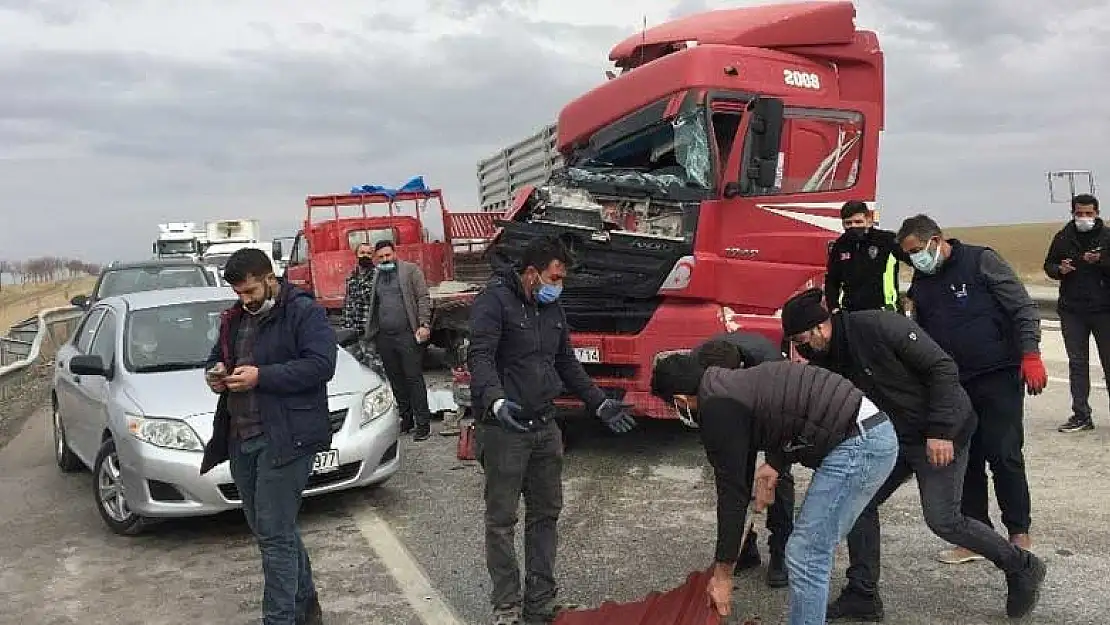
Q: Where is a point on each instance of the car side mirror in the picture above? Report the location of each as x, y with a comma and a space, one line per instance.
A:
80, 301
346, 337
275, 250
88, 364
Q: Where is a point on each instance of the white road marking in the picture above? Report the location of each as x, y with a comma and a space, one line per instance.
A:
425, 600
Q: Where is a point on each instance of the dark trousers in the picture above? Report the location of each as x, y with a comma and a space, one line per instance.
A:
528, 464
271, 500
941, 490
1077, 329
403, 359
780, 514
999, 400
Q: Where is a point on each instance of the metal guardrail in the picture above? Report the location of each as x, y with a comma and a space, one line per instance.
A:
30, 340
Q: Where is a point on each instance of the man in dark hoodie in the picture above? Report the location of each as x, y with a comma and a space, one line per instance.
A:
895, 363
1079, 258
271, 365
794, 413
520, 360
862, 272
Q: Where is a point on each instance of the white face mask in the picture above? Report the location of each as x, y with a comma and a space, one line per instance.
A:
685, 414
1084, 224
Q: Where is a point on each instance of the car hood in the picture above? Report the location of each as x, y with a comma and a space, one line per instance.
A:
185, 395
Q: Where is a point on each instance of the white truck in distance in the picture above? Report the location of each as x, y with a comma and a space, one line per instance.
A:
179, 239
226, 236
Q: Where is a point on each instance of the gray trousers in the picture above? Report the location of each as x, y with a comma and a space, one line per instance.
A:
531, 465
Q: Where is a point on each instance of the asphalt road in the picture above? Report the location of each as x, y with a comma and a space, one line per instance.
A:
638, 517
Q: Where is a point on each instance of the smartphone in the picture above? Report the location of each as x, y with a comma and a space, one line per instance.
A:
212, 374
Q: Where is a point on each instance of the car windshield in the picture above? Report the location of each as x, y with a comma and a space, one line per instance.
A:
173, 337
152, 278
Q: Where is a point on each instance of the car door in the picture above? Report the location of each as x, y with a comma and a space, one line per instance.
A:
92, 391
66, 382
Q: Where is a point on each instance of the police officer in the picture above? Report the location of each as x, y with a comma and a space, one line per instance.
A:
974, 306
862, 271
735, 350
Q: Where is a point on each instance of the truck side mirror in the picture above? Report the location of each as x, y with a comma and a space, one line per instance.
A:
765, 136
154, 248
275, 250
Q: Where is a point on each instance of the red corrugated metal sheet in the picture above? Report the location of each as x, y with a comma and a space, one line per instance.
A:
685, 605
473, 225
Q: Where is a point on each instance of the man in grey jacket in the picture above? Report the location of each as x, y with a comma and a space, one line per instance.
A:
389, 304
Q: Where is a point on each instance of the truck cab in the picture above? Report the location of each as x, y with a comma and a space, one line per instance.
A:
702, 182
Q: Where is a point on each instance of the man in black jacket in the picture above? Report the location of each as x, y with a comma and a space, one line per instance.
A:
520, 359
1079, 258
895, 363
862, 272
734, 350
794, 413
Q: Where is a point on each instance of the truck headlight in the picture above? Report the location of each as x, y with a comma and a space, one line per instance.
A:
376, 403
165, 433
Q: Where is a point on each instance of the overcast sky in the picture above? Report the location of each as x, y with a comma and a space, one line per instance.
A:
116, 115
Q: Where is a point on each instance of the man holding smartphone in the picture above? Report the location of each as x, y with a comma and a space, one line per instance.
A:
1079, 258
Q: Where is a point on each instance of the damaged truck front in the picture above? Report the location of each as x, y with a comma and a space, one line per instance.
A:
701, 187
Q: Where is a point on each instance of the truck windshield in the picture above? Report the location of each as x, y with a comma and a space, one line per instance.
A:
356, 238
176, 247
670, 150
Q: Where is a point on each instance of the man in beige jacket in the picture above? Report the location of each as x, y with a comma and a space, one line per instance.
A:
388, 301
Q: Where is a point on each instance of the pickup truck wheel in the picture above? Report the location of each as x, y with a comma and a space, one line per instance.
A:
66, 459
108, 492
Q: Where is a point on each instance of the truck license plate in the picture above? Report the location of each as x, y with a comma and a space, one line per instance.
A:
587, 354
326, 461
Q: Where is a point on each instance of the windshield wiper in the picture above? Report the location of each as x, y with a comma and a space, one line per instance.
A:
169, 366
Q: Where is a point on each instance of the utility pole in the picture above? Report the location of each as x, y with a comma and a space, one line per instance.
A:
1065, 184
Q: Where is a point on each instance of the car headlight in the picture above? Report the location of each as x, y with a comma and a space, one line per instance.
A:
376, 403
166, 433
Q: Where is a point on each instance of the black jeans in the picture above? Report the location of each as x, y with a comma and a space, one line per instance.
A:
403, 359
999, 400
515, 464
941, 489
271, 500
1077, 329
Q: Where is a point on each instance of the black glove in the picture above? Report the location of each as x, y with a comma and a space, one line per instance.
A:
615, 415
506, 413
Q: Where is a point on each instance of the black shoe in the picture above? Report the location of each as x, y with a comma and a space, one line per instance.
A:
1023, 588
406, 426
314, 614
1077, 424
853, 605
749, 557
777, 576
422, 433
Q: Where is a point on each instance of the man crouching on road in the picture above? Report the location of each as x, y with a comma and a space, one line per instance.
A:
270, 366
520, 358
794, 413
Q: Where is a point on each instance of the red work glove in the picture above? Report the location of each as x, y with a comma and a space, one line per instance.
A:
1033, 373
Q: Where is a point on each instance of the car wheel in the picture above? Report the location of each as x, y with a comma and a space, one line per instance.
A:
108, 491
67, 460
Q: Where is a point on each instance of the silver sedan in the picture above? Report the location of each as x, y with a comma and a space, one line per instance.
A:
130, 402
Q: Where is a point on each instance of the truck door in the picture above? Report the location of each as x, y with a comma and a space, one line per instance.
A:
298, 270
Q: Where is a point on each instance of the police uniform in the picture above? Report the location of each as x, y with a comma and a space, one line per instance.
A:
862, 271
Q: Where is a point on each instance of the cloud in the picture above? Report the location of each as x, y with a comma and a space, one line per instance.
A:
122, 114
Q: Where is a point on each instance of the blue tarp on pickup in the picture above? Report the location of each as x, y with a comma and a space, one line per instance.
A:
414, 185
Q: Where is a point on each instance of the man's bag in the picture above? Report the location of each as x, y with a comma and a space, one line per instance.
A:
466, 447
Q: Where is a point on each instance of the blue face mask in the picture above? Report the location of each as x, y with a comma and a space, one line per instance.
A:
548, 293
388, 266
925, 261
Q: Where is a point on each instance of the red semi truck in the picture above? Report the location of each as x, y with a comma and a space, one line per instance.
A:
700, 185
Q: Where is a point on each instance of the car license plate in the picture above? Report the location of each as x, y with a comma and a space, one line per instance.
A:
587, 354
326, 461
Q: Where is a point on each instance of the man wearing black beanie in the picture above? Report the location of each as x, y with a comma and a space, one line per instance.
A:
908, 376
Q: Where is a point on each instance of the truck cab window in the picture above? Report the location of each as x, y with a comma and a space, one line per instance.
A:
356, 238
725, 125
676, 147
820, 151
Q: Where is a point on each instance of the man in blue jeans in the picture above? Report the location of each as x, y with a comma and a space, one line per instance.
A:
793, 413
271, 365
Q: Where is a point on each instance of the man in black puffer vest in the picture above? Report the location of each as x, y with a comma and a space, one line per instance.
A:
1079, 258
794, 413
897, 365
972, 303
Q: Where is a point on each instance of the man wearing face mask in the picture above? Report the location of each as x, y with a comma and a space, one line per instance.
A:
974, 306
897, 366
1079, 258
520, 360
388, 302
862, 271
270, 366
